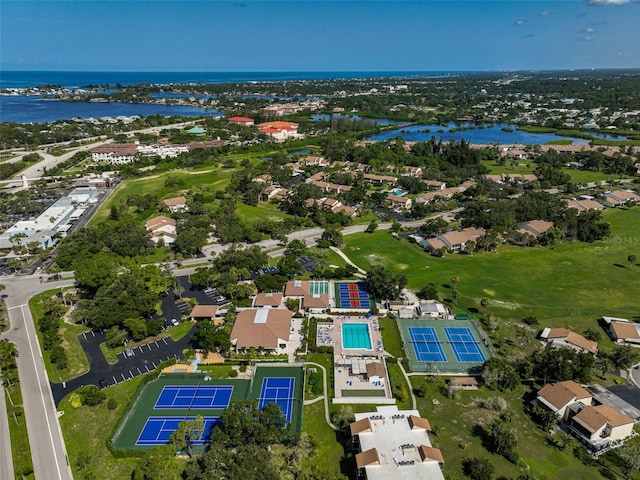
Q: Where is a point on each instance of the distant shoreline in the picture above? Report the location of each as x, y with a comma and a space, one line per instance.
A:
76, 79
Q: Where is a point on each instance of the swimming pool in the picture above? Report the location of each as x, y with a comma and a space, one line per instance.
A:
356, 335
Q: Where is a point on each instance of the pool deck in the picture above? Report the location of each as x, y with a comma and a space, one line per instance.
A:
330, 335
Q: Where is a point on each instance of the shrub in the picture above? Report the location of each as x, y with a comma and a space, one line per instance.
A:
91, 395
112, 404
530, 320
243, 368
233, 373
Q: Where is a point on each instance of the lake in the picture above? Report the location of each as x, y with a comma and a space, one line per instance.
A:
490, 133
31, 109
378, 121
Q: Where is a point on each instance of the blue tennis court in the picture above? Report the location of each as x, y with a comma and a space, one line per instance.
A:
464, 344
200, 396
426, 344
279, 390
157, 430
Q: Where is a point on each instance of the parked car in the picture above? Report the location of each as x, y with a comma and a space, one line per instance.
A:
175, 322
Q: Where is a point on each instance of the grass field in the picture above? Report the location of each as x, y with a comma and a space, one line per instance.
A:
20, 449
529, 166
78, 363
206, 180
86, 430
454, 421
570, 285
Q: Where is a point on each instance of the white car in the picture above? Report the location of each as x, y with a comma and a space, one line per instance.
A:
175, 322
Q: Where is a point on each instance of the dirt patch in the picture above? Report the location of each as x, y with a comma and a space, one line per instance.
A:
507, 305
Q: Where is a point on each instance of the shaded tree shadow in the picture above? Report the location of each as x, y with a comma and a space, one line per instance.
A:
618, 265
473, 310
446, 285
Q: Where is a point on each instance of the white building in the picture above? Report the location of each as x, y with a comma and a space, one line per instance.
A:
393, 444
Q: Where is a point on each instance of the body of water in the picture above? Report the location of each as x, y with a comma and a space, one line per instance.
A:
20, 79
32, 109
378, 121
497, 133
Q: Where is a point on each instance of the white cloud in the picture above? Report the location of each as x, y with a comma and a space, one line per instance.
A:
607, 2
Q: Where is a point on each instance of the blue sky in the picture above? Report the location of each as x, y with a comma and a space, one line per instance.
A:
306, 35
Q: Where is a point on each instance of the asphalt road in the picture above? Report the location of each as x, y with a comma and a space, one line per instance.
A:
45, 437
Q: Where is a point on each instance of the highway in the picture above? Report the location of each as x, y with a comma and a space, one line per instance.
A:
45, 437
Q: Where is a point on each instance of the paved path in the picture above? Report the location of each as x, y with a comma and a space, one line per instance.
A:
314, 400
406, 377
348, 260
326, 394
6, 460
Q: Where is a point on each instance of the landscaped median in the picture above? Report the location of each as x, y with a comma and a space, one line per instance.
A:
76, 362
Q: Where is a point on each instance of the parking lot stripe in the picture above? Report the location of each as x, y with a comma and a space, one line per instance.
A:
115, 381
123, 379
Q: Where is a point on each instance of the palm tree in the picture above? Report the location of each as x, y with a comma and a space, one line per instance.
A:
632, 259
484, 303
454, 281
8, 352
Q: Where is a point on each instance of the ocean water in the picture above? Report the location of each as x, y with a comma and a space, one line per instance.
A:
19, 79
32, 109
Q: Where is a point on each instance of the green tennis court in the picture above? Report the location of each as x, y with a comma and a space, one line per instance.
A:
449, 358
151, 405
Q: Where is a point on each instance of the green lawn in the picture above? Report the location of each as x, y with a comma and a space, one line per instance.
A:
571, 285
20, 449
205, 180
454, 420
86, 430
329, 452
528, 167
78, 363
391, 337
263, 211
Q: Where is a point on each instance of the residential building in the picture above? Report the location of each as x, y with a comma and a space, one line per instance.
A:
261, 328
435, 184
455, 241
601, 427
162, 228
394, 444
618, 198
622, 330
535, 228
397, 201
373, 178
563, 337
176, 204
557, 397
584, 204
245, 121
436, 194
412, 171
